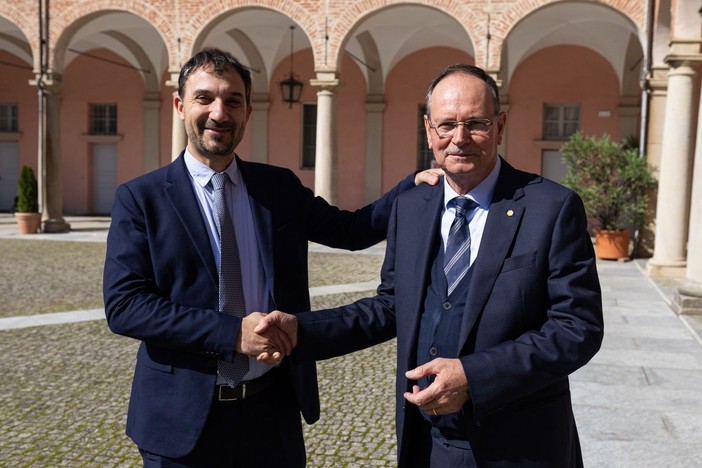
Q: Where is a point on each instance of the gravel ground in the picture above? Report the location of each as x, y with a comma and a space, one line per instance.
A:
65, 388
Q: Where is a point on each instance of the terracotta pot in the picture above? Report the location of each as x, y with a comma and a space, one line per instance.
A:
28, 223
612, 245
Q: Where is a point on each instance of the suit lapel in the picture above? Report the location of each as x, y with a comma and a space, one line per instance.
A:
500, 229
179, 192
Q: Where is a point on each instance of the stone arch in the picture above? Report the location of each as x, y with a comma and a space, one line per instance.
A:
24, 24
69, 20
212, 14
518, 11
623, 61
359, 11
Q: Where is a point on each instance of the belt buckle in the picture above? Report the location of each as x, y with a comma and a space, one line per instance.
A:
220, 397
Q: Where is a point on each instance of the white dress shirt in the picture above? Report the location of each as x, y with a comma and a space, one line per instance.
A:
257, 293
482, 195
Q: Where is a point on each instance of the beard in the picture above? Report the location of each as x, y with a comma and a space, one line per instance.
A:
216, 145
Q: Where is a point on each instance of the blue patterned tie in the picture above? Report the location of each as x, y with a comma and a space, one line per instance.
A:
457, 255
231, 291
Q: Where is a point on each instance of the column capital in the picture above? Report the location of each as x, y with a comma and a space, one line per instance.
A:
326, 80
152, 100
683, 64
684, 52
173, 82
260, 101
495, 75
657, 81
375, 103
51, 83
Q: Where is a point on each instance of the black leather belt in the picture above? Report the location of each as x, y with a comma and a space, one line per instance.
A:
247, 389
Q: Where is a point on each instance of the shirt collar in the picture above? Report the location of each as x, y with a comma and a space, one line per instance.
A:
202, 174
482, 193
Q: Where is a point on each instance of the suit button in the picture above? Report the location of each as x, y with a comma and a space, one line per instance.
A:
433, 351
446, 305
211, 363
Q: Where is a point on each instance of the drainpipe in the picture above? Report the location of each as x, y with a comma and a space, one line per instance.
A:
645, 98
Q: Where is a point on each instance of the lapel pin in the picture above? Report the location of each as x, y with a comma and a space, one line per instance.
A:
510, 212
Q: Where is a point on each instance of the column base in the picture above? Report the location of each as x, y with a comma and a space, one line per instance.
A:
688, 301
55, 226
672, 268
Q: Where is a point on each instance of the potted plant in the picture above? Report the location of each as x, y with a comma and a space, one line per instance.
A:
614, 182
27, 211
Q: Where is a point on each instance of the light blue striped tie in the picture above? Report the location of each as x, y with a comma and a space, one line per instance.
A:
231, 290
457, 255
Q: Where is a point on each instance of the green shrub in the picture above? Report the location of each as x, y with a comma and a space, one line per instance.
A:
27, 195
614, 182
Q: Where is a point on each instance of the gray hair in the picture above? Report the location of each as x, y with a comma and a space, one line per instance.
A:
468, 70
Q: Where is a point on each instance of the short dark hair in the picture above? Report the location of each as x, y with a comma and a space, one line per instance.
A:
220, 62
468, 70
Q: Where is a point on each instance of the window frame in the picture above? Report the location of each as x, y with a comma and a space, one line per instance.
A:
9, 117
103, 118
561, 122
308, 141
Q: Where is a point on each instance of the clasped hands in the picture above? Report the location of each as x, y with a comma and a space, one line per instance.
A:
269, 337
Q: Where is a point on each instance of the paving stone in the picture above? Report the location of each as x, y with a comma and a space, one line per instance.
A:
65, 387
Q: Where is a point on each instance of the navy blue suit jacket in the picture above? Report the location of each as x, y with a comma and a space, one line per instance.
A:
533, 316
160, 287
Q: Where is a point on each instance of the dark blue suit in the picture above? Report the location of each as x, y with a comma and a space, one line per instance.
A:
160, 287
533, 315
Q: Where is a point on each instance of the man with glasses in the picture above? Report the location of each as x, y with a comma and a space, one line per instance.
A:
489, 284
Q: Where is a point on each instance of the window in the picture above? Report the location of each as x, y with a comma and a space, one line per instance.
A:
103, 119
425, 157
561, 121
309, 135
8, 118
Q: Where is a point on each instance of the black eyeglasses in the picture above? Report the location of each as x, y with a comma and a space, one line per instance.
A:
472, 126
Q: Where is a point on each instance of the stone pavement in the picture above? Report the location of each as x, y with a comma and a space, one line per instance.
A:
65, 383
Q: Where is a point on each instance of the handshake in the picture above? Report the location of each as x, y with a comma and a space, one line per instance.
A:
269, 337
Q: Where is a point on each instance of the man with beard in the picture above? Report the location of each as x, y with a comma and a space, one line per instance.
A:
184, 279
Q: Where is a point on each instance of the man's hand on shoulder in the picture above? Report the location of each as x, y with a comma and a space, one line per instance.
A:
428, 176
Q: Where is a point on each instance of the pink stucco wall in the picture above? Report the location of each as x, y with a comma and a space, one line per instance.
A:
351, 121
87, 81
285, 127
558, 75
405, 91
285, 124
15, 88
